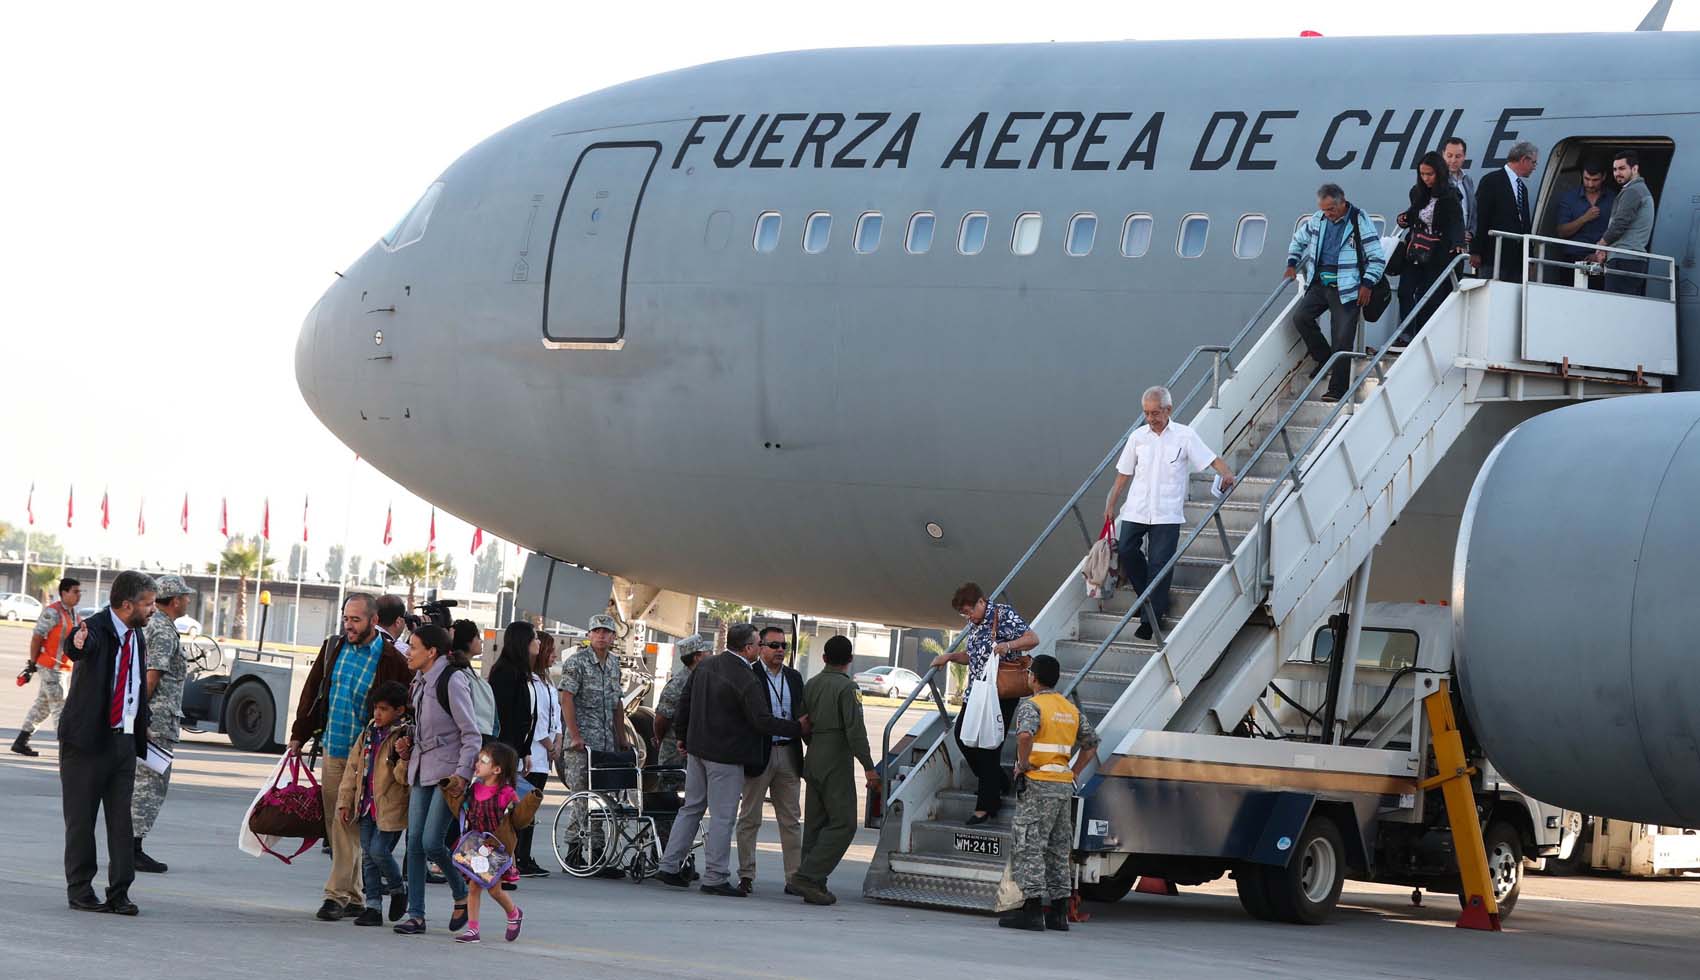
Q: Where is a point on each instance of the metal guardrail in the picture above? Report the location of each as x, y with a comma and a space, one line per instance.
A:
1545, 241
1221, 356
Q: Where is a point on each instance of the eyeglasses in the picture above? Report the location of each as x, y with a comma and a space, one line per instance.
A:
774, 644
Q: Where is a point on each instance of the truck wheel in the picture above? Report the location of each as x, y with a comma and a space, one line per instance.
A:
1308, 888
1108, 890
250, 718
1254, 898
1505, 866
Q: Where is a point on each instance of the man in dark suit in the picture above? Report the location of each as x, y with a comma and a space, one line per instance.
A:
102, 733
1505, 202
781, 775
726, 728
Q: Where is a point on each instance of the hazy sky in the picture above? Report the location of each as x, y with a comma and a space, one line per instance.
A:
182, 181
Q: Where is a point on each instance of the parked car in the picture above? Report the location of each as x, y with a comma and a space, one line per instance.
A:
188, 625
887, 682
16, 605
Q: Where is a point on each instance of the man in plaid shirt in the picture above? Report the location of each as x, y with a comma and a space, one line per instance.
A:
333, 708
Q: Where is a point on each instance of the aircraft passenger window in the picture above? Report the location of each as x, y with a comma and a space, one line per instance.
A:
1082, 230
1025, 240
972, 238
920, 237
1136, 235
1195, 229
1380, 224
1249, 237
767, 231
411, 227
816, 232
868, 232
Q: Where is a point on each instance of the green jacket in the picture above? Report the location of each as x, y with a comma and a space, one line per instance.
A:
834, 707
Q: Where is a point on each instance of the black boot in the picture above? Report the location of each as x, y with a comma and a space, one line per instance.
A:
1029, 916
21, 745
1056, 918
145, 864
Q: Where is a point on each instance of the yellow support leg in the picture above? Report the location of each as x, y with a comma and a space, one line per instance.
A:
1452, 775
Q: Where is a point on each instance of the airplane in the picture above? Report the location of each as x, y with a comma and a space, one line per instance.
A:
837, 330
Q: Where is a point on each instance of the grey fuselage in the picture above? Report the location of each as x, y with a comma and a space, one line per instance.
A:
781, 427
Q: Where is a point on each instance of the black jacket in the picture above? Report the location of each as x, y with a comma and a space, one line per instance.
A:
794, 681
1448, 221
86, 723
724, 715
514, 716
1496, 210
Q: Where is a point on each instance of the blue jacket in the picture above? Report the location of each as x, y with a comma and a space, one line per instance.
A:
1308, 238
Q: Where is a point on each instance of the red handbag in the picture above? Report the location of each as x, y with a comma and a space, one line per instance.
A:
292, 806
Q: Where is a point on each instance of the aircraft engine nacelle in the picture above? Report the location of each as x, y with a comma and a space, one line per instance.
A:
1576, 607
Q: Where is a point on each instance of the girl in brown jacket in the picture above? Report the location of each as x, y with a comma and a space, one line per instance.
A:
374, 791
492, 805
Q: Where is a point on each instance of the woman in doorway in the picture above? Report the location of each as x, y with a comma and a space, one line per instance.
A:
1435, 226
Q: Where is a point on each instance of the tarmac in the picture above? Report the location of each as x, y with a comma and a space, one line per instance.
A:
220, 914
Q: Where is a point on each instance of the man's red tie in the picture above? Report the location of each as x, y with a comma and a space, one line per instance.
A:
122, 688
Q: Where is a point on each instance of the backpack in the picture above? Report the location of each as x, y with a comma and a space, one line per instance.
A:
483, 700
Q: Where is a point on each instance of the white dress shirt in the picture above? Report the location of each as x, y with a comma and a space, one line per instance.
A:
132, 690
1160, 466
1528, 197
778, 695
547, 709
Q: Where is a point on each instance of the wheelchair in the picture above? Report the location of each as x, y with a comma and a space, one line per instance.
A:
619, 822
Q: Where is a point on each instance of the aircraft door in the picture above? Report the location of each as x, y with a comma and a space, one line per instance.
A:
584, 290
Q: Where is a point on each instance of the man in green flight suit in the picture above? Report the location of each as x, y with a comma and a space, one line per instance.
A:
831, 701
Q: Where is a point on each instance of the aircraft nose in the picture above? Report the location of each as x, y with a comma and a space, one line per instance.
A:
306, 374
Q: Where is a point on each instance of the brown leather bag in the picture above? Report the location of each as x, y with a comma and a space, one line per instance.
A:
1012, 674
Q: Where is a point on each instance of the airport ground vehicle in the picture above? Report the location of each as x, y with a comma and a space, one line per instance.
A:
17, 606
1636, 850
249, 699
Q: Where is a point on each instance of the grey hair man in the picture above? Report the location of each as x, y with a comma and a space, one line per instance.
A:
1506, 204
1331, 241
1157, 461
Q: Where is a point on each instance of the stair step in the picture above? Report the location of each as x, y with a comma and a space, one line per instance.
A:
1180, 600
941, 883
937, 838
1237, 515
1121, 657
957, 805
1093, 627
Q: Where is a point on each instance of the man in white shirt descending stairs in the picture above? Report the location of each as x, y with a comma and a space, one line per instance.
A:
1157, 460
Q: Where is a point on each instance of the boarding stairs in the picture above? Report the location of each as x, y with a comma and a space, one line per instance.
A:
1319, 484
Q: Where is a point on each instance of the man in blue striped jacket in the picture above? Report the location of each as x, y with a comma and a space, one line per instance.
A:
1329, 240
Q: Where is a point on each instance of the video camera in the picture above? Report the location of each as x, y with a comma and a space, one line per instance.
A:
434, 611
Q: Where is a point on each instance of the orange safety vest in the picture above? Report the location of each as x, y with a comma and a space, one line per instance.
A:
1059, 724
51, 656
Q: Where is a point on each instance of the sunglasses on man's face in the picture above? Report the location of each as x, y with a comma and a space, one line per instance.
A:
774, 644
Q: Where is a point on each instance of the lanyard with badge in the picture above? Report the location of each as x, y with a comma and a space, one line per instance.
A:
778, 692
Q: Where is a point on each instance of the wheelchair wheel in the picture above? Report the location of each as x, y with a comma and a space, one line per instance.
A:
645, 851
586, 829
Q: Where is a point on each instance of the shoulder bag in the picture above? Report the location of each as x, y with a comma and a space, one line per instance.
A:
1011, 674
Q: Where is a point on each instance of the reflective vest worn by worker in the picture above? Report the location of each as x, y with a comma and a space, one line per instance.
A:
51, 656
1059, 724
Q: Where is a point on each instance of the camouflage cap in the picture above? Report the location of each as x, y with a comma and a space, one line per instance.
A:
691, 645
171, 586
602, 621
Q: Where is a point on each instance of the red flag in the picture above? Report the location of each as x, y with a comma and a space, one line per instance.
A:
266, 521
183, 520
389, 515
105, 512
224, 516
29, 505
70, 505
477, 539
304, 501
431, 545
141, 519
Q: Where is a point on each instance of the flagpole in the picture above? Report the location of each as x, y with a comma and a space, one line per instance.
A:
24, 577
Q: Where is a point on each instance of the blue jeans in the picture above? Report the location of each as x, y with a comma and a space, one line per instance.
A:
428, 819
1161, 541
382, 876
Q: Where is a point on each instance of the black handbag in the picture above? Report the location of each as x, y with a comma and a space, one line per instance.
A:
1380, 293
1422, 247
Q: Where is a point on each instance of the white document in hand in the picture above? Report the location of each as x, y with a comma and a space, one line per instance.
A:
158, 758
1216, 487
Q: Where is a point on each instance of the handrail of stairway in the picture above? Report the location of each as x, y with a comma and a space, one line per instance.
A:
1449, 275
929, 680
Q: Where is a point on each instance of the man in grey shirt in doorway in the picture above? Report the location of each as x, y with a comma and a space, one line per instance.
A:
1631, 226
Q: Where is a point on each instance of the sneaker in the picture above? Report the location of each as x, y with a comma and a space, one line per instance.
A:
531, 869
352, 910
410, 927
725, 889
746, 885
330, 911
509, 886
457, 921
469, 936
514, 924
398, 905
673, 878
369, 917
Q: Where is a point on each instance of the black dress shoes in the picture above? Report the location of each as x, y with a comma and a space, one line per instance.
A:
88, 904
121, 905
673, 878
725, 889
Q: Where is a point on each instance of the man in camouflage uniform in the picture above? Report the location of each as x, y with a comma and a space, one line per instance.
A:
1049, 730
49, 661
592, 714
667, 753
168, 669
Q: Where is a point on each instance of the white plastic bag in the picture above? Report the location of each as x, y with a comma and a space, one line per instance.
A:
246, 840
982, 722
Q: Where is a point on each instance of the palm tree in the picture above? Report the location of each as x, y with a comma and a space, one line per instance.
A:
414, 567
42, 580
724, 614
958, 677
242, 559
